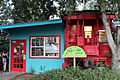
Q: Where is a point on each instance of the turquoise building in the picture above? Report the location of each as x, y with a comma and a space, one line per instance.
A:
35, 46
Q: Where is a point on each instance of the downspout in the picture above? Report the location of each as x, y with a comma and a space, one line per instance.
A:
1, 30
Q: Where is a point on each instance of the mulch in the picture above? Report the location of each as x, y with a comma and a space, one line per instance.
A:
25, 76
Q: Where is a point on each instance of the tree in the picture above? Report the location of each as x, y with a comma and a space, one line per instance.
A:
5, 18
67, 7
32, 10
4, 41
5, 12
114, 44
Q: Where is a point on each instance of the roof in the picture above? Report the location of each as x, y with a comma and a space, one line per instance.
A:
92, 12
47, 22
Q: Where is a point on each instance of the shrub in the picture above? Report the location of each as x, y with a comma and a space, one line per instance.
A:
98, 73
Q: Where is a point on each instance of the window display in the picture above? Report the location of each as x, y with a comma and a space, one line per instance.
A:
88, 31
47, 46
102, 36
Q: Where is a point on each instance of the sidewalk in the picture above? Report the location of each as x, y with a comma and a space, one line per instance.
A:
9, 75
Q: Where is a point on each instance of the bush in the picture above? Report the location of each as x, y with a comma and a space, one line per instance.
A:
98, 73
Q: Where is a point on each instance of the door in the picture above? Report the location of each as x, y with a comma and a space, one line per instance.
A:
18, 55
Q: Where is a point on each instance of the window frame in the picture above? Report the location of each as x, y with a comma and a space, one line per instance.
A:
88, 31
104, 36
30, 47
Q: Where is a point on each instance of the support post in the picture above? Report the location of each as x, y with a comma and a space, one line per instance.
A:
74, 62
1, 30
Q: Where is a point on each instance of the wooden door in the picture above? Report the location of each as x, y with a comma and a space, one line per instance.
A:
18, 56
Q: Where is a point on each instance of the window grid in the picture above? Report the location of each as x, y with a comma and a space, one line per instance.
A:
43, 53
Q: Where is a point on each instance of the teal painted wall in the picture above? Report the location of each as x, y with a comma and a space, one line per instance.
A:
40, 64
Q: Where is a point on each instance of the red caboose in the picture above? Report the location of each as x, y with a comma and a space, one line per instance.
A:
85, 29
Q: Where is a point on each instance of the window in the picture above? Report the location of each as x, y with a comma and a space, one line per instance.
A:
45, 47
88, 31
102, 36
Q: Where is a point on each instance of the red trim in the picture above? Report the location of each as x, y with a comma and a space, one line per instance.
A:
45, 57
88, 16
12, 69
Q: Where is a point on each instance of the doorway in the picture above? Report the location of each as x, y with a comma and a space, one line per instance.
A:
18, 55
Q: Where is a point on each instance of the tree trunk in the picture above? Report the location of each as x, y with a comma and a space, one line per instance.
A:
114, 48
110, 40
116, 60
114, 45
116, 56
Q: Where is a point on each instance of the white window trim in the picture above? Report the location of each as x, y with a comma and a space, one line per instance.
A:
30, 47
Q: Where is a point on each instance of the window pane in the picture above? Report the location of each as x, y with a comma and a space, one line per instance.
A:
39, 41
37, 51
21, 65
33, 51
87, 28
51, 46
88, 34
15, 65
33, 42
102, 36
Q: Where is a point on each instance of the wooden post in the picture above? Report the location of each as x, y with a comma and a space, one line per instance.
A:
74, 62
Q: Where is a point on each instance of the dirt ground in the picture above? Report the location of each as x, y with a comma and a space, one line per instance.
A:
25, 76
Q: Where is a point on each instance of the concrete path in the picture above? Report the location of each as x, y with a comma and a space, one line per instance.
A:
9, 75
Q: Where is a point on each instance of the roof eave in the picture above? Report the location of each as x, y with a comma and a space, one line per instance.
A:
47, 22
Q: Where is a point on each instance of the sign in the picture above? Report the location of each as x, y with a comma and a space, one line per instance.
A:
74, 51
